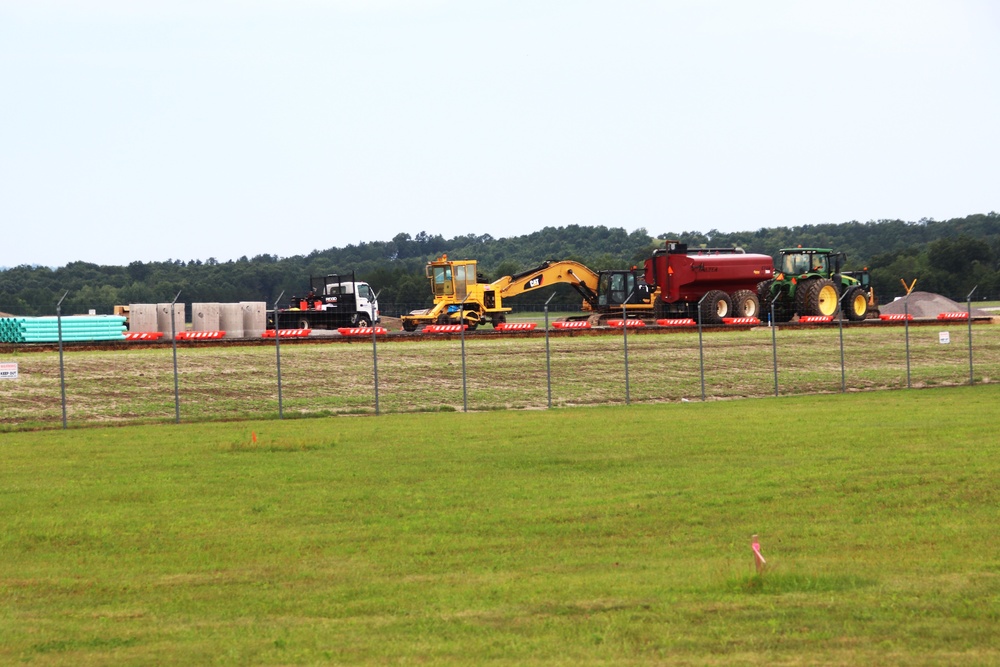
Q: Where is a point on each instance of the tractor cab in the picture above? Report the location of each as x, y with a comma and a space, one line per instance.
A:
804, 261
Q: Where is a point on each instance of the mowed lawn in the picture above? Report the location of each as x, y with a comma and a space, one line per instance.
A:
589, 536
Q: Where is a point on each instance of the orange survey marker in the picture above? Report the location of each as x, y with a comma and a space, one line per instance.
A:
758, 557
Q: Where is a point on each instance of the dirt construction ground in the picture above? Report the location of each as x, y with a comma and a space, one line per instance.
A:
928, 305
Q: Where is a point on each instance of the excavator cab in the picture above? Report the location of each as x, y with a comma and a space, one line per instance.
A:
618, 287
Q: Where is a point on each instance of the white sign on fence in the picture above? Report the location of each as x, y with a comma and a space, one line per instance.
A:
944, 337
8, 370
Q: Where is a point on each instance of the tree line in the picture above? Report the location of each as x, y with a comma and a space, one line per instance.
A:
947, 257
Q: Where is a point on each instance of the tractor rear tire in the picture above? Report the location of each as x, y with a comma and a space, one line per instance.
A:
856, 304
818, 296
714, 306
746, 304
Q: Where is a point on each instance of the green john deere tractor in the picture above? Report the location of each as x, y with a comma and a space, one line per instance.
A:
809, 281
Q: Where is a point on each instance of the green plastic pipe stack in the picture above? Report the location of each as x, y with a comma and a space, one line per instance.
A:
74, 328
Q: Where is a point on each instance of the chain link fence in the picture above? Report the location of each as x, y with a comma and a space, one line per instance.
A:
369, 375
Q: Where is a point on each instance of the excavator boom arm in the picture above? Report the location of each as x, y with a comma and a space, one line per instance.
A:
549, 273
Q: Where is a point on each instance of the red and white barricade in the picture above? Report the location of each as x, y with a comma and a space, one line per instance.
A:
896, 317
815, 319
200, 335
362, 331
631, 324
516, 326
961, 315
444, 328
740, 320
143, 335
572, 324
288, 333
677, 322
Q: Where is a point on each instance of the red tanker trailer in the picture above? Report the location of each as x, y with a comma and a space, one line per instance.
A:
722, 280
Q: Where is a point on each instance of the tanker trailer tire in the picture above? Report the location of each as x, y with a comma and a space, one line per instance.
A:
856, 303
714, 306
303, 323
745, 304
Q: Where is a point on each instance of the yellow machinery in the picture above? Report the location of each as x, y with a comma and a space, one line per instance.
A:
460, 297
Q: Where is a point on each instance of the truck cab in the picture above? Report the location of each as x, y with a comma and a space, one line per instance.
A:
332, 302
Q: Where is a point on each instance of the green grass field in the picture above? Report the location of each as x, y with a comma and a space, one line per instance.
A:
594, 536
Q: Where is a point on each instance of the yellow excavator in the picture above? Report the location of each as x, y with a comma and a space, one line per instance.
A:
462, 297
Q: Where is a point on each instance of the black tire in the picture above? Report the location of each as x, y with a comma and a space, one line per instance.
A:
499, 319
409, 326
304, 323
855, 304
784, 309
764, 299
362, 321
745, 304
817, 296
714, 306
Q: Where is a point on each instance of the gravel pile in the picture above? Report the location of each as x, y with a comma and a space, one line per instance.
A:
928, 305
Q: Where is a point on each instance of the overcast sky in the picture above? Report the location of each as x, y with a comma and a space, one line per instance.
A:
189, 130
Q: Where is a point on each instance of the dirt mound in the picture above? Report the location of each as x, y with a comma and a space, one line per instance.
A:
928, 305
391, 323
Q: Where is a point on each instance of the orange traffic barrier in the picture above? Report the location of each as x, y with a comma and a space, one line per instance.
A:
516, 326
896, 317
572, 324
744, 320
444, 328
677, 322
962, 315
144, 335
815, 319
631, 324
288, 333
200, 335
362, 331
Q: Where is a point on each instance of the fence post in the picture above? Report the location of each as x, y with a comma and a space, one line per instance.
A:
968, 303
701, 350
277, 352
62, 371
375, 358
173, 342
461, 321
906, 324
625, 340
774, 349
840, 325
548, 362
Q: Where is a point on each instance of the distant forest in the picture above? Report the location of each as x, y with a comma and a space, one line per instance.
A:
948, 257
